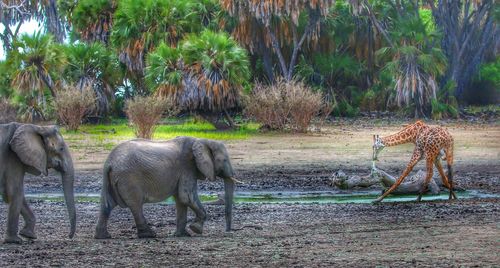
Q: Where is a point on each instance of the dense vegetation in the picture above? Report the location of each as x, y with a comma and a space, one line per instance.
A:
207, 56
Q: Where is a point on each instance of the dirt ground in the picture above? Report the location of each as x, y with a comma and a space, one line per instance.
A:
431, 233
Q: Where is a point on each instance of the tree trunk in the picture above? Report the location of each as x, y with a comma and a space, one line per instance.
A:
468, 33
47, 80
267, 62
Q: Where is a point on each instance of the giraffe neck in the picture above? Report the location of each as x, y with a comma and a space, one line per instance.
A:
407, 135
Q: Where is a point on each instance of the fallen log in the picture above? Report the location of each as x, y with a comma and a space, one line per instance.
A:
411, 185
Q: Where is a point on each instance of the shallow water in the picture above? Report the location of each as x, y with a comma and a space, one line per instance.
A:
324, 197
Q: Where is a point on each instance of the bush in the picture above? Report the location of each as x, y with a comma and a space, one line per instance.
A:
485, 87
344, 108
284, 104
7, 112
145, 112
440, 110
72, 105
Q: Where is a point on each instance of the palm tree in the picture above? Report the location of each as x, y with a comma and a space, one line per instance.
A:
37, 59
16, 12
205, 74
285, 27
94, 66
414, 64
140, 26
91, 19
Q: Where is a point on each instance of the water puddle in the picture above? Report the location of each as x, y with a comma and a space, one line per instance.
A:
290, 197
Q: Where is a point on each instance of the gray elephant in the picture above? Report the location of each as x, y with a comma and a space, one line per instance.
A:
143, 171
33, 149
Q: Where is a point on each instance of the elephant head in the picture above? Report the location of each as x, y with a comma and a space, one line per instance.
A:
213, 161
40, 148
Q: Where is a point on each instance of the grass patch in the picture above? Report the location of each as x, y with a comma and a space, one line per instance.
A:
106, 136
478, 110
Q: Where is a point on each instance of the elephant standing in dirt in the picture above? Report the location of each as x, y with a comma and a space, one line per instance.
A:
33, 149
144, 171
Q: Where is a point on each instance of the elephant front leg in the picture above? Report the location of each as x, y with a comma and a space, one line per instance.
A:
201, 215
13, 220
29, 221
181, 210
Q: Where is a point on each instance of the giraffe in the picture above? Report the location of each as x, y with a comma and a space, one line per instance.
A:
429, 142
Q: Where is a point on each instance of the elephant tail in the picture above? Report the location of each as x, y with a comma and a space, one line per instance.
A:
107, 200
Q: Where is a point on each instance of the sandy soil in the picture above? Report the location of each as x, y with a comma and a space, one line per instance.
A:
458, 233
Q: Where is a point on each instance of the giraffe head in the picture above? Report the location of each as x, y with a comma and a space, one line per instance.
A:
378, 145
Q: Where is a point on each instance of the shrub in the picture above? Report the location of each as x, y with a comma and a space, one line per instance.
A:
344, 108
145, 112
284, 104
7, 112
73, 104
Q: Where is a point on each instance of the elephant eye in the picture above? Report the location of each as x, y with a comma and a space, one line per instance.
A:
61, 149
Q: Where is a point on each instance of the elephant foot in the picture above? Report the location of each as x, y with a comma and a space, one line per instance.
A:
13, 239
101, 234
182, 234
196, 227
145, 232
28, 233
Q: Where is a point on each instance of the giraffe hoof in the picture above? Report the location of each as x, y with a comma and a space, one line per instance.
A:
376, 201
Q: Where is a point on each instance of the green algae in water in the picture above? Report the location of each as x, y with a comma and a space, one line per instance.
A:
322, 197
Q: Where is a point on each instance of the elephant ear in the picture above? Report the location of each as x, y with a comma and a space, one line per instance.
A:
204, 159
29, 147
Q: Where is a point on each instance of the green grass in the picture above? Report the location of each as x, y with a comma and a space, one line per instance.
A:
492, 108
108, 135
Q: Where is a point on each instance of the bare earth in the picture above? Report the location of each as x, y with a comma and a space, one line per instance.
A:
440, 233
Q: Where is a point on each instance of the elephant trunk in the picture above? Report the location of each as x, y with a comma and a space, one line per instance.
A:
228, 201
68, 177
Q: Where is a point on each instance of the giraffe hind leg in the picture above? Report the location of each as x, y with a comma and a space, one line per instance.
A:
444, 178
449, 162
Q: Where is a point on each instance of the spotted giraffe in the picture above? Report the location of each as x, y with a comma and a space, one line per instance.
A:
429, 142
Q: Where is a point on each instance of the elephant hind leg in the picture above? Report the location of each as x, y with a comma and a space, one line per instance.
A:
101, 230
143, 229
28, 230
132, 195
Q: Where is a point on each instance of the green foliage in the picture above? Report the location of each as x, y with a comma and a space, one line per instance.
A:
144, 24
485, 87
88, 12
164, 67
441, 110
344, 108
491, 72
37, 58
413, 63
93, 61
219, 57
212, 66
445, 105
427, 20
6, 90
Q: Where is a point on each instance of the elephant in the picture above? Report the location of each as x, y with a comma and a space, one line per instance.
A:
144, 171
33, 149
